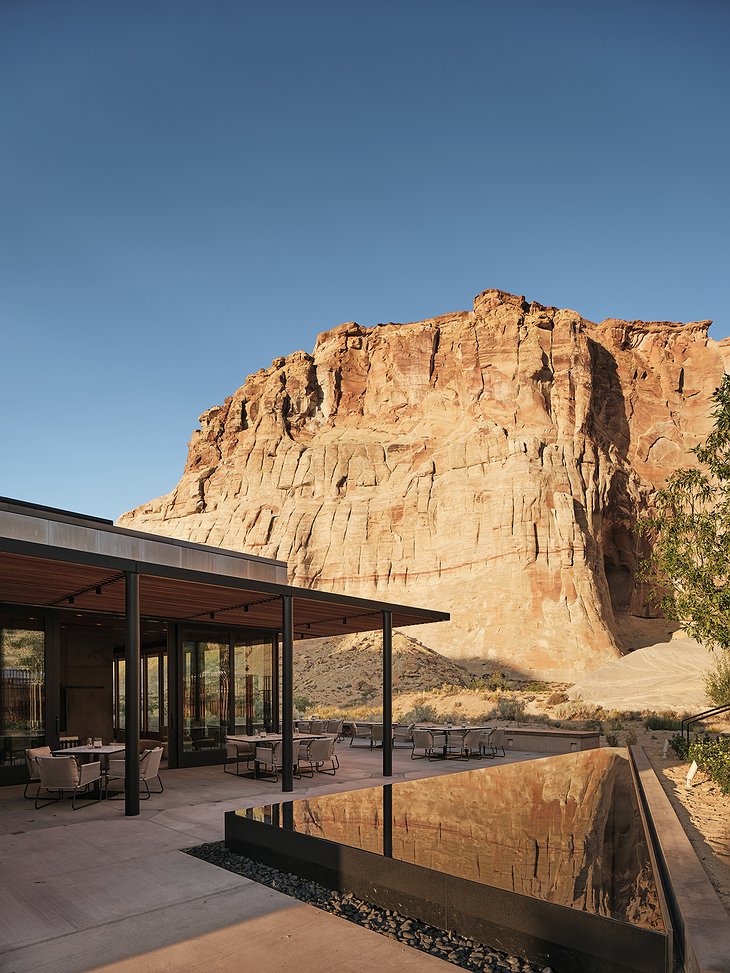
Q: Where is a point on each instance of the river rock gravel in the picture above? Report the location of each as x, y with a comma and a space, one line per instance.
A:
458, 950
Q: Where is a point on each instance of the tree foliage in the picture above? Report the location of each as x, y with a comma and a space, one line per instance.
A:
689, 532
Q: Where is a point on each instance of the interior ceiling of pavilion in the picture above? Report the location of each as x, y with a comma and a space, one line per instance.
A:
491, 463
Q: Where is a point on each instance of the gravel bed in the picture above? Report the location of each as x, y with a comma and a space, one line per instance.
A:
465, 953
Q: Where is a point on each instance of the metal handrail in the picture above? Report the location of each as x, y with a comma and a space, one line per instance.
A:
687, 721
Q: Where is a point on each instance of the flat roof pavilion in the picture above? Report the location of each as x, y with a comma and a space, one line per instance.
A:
54, 561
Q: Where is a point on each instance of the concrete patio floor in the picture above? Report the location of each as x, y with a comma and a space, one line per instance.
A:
94, 890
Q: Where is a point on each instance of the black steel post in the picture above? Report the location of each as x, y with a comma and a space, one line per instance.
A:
131, 693
275, 683
287, 693
387, 694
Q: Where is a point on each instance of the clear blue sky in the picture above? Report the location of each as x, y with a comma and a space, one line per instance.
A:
189, 189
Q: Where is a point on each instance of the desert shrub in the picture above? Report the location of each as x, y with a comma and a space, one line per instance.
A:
679, 744
510, 708
593, 725
554, 699
577, 709
533, 686
654, 722
302, 703
631, 737
421, 713
713, 756
612, 739
717, 680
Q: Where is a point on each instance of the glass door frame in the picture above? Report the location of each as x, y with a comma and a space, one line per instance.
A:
15, 773
178, 756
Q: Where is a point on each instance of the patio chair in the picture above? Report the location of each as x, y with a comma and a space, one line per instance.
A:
151, 744
493, 741
317, 726
360, 732
149, 769
31, 762
470, 744
237, 751
302, 725
63, 774
335, 728
376, 735
403, 734
271, 758
429, 741
319, 752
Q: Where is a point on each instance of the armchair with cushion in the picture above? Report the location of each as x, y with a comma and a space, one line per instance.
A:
31, 762
360, 732
149, 769
334, 727
428, 741
236, 752
470, 744
319, 752
493, 741
403, 734
63, 774
271, 760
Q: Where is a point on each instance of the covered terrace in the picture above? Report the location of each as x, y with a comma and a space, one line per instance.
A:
61, 564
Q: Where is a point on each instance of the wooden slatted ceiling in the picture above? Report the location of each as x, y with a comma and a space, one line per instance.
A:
42, 582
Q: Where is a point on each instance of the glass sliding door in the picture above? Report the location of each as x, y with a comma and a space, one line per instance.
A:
253, 702
153, 694
226, 682
22, 687
205, 692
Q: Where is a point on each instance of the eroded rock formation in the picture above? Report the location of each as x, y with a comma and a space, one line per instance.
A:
491, 463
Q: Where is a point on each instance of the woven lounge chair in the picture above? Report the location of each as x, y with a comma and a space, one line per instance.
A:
34, 775
429, 741
149, 770
317, 753
61, 774
238, 751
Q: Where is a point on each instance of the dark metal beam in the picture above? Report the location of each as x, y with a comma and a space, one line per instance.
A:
131, 693
387, 694
287, 693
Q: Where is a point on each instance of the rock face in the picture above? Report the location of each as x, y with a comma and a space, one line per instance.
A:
491, 463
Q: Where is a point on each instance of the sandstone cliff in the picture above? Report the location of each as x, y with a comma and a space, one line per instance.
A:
491, 463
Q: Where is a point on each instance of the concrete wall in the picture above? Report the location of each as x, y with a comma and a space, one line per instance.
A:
536, 740
86, 678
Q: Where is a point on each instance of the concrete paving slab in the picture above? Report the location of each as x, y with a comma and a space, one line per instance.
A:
245, 929
93, 889
96, 892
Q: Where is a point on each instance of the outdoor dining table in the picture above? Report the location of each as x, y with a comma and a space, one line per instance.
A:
449, 729
270, 740
88, 754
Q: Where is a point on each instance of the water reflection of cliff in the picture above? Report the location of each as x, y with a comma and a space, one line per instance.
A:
564, 829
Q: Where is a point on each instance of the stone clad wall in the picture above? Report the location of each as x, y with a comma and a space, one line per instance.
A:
491, 463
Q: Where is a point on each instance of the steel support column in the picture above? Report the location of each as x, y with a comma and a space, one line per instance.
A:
387, 694
131, 693
287, 693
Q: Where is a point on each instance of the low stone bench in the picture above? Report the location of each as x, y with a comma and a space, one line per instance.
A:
535, 739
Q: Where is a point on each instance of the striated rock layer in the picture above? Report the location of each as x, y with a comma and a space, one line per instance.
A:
491, 463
